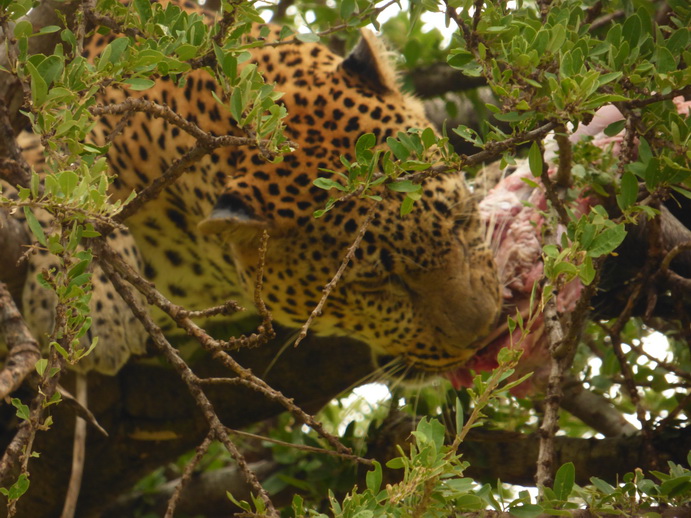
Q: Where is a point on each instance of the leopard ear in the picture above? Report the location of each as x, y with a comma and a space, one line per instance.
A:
370, 60
232, 217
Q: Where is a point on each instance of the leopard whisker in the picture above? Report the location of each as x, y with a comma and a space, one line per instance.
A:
289, 340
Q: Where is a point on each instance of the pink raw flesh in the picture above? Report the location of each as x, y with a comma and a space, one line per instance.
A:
511, 212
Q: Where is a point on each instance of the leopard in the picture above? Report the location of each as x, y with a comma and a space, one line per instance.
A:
420, 290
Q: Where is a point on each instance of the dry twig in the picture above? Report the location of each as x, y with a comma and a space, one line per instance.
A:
337, 276
217, 430
206, 143
187, 475
112, 263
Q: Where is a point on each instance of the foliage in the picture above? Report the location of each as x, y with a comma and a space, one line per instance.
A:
548, 64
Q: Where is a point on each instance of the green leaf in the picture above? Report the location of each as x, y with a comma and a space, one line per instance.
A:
513, 116
607, 241
459, 415
587, 271
526, 511
327, 184
61, 94
143, 7
682, 191
608, 78
60, 349
665, 61
602, 486
614, 128
364, 143
117, 48
23, 29
49, 29
671, 487
39, 88
139, 83
23, 411
399, 150
78, 269
54, 246
41, 366
35, 226
678, 41
628, 192
428, 138
535, 159
308, 37
644, 151
631, 31
564, 481
459, 58
557, 39
407, 206
469, 503
415, 165
18, 488
348, 7
242, 504
68, 181
396, 463
237, 105
187, 51
404, 186
374, 477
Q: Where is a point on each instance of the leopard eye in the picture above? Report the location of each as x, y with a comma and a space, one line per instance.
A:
396, 280
390, 285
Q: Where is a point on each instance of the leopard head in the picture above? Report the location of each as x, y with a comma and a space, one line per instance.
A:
420, 289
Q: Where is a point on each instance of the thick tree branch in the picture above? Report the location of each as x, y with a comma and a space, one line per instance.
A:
23, 348
439, 79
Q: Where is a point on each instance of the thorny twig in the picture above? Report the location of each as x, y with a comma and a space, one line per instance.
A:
97, 19
188, 377
669, 419
673, 278
265, 329
559, 362
187, 475
206, 143
626, 370
665, 365
17, 455
112, 261
209, 59
604, 20
48, 385
302, 447
657, 97
491, 151
562, 344
563, 178
550, 192
337, 276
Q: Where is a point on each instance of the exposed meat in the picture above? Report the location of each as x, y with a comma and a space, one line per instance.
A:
512, 212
